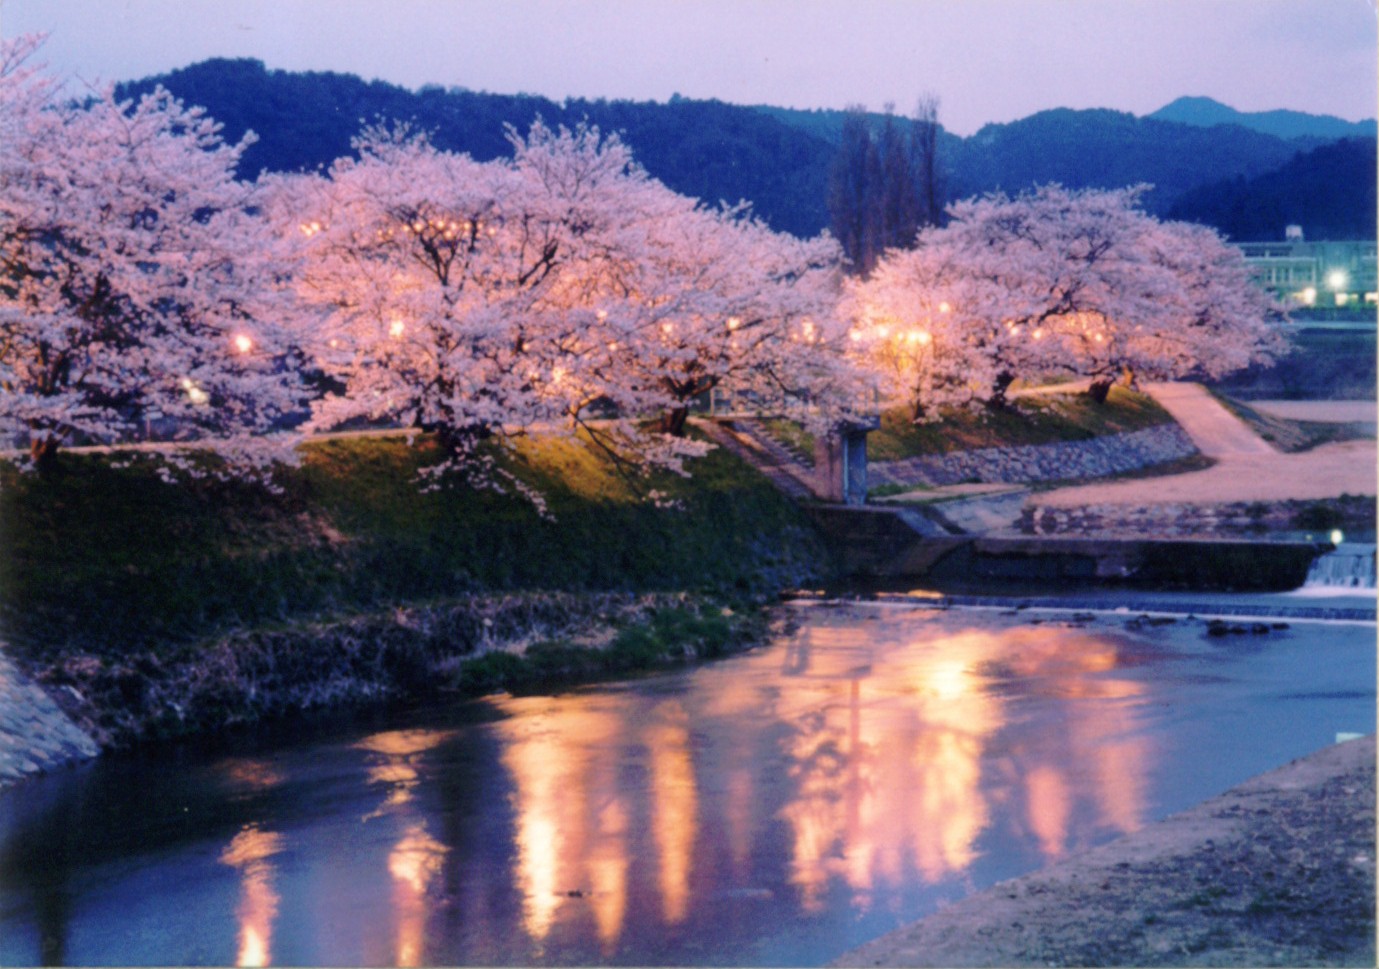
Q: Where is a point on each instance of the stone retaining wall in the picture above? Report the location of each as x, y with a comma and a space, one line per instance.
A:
1063, 461
35, 735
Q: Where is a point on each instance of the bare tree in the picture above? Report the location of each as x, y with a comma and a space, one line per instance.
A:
852, 197
925, 161
884, 187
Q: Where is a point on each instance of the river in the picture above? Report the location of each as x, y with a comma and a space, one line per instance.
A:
872, 763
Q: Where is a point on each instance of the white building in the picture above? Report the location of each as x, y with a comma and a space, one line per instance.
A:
1321, 274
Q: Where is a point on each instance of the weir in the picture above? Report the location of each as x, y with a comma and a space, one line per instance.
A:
1350, 566
888, 543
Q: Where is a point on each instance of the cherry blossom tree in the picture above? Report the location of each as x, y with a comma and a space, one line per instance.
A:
564, 289
716, 299
1209, 318
137, 279
462, 297
1057, 282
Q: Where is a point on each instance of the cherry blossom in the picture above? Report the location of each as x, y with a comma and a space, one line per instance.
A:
141, 296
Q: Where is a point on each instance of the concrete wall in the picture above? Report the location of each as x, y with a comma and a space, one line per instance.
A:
875, 543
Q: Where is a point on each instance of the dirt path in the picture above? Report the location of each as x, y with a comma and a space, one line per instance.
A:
1279, 871
1329, 471
1216, 431
1246, 469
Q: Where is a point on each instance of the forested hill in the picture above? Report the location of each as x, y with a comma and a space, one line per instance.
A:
1303, 192
704, 149
1208, 113
779, 158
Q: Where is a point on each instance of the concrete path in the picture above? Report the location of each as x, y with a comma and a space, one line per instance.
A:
1215, 430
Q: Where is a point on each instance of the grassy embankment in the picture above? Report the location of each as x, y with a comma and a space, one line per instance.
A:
154, 609
1032, 419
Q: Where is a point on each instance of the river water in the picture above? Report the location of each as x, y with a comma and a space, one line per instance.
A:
871, 764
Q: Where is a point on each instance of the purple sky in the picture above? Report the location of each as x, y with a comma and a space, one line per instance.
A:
987, 60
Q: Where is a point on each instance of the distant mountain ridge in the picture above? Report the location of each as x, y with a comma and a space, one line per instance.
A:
1207, 112
776, 158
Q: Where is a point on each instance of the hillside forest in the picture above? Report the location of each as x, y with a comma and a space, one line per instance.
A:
1247, 176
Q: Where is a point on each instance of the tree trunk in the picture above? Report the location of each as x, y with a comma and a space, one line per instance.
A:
673, 421
43, 451
456, 440
997, 400
917, 411
1099, 389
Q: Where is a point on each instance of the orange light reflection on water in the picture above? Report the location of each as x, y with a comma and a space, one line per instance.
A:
249, 851
571, 818
417, 858
892, 763
900, 756
675, 800
414, 863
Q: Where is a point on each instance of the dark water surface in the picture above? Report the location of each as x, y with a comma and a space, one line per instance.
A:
775, 808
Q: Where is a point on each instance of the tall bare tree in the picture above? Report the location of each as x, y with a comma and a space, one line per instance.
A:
885, 186
925, 161
852, 193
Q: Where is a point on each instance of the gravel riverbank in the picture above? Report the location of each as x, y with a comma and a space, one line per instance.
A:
1279, 871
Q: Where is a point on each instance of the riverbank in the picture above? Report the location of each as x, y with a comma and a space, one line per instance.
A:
468, 646
148, 610
1277, 871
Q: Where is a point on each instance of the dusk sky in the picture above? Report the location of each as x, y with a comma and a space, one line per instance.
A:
987, 60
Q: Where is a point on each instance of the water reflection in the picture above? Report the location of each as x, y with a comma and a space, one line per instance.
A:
258, 904
899, 753
414, 864
248, 775
675, 804
571, 818
893, 763
417, 858
772, 809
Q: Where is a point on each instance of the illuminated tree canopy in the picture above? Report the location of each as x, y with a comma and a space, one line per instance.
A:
1058, 283
138, 282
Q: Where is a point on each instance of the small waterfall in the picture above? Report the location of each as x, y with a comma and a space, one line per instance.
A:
1350, 566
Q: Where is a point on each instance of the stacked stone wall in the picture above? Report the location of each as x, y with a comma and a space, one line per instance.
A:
1351, 514
1063, 461
35, 735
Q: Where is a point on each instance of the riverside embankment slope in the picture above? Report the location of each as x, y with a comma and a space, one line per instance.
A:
146, 610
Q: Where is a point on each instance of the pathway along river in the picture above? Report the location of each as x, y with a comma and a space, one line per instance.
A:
779, 807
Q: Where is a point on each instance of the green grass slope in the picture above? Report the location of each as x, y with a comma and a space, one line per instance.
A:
110, 560
1031, 419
